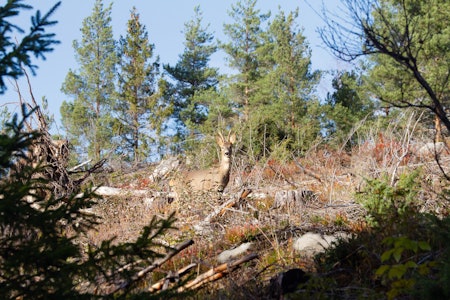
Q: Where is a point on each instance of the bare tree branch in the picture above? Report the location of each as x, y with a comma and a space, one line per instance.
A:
378, 27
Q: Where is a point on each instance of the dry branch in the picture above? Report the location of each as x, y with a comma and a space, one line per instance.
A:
306, 171
79, 166
216, 273
278, 173
161, 284
94, 169
220, 210
173, 251
230, 204
112, 191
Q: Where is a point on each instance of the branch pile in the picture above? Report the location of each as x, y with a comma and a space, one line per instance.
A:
49, 155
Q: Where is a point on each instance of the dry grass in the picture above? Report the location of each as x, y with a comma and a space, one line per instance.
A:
331, 176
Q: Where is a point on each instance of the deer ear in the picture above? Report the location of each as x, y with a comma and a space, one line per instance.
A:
232, 138
219, 139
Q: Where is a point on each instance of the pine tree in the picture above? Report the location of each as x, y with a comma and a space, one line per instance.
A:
397, 85
408, 43
246, 37
349, 104
88, 120
139, 106
284, 99
193, 75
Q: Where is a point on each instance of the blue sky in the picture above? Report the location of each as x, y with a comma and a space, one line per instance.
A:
164, 21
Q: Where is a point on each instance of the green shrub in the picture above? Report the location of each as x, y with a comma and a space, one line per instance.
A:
405, 251
385, 202
436, 285
401, 262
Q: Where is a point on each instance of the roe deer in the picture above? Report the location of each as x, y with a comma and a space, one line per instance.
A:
215, 179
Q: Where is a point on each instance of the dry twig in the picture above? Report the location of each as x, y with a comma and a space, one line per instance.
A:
219, 211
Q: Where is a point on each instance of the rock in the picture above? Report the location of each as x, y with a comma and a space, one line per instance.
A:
431, 149
311, 243
228, 255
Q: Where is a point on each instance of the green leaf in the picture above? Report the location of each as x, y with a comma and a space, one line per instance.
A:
386, 255
411, 264
414, 246
402, 242
424, 269
402, 284
382, 270
392, 293
424, 246
397, 271
388, 241
397, 254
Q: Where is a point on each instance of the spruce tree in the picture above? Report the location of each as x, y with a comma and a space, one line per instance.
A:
193, 75
88, 119
42, 252
15, 55
140, 108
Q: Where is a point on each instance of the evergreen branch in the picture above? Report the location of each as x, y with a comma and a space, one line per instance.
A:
14, 55
11, 9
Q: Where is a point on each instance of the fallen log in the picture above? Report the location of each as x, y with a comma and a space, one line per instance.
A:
216, 273
112, 191
147, 196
